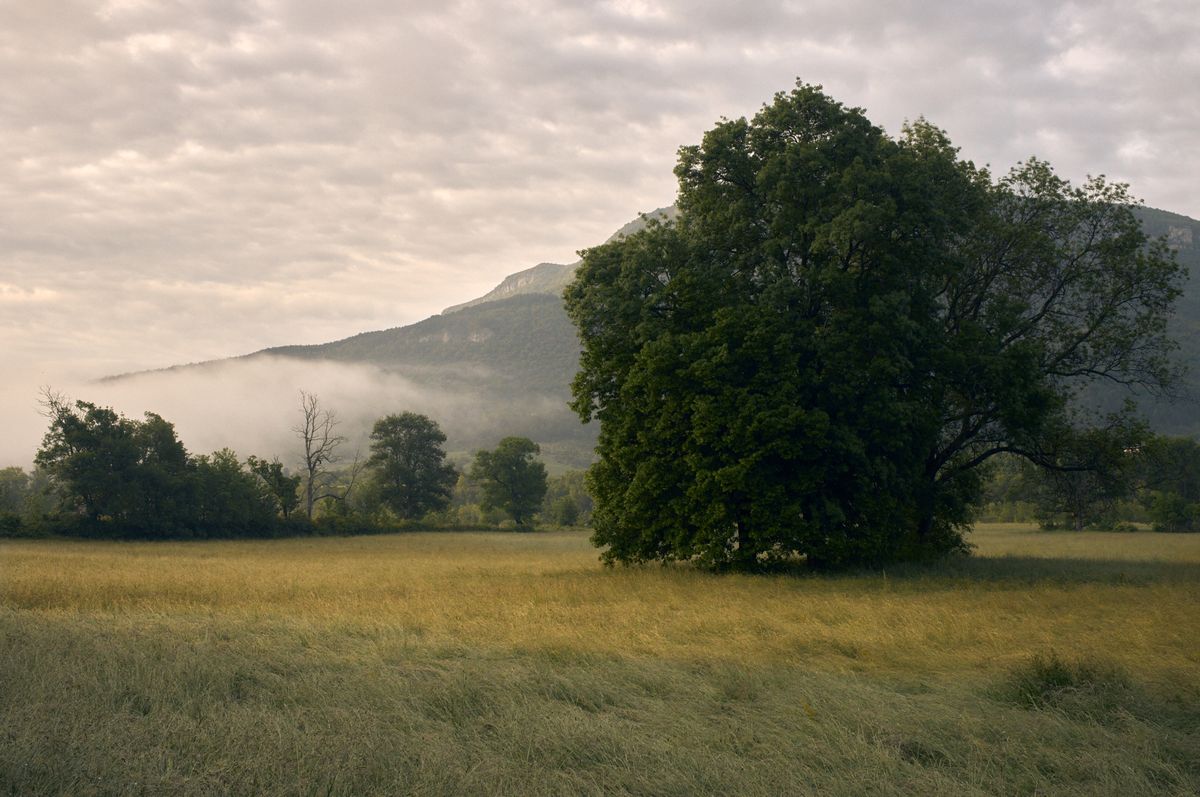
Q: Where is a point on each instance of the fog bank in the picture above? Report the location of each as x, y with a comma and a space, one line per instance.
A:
252, 404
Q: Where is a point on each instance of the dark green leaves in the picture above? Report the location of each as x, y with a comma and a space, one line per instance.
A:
511, 478
840, 328
410, 465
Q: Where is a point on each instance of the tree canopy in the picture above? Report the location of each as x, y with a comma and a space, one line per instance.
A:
412, 475
840, 328
120, 476
511, 478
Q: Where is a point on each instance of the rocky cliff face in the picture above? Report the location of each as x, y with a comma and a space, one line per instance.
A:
548, 278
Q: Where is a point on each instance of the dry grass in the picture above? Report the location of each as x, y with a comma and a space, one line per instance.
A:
450, 663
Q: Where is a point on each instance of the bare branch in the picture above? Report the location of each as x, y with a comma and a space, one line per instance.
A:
318, 433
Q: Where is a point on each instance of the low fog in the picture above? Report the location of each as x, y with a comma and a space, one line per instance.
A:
251, 405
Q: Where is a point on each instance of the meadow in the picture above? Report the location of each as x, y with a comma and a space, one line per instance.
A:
508, 663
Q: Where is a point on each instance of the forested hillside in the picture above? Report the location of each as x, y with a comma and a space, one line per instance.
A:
513, 352
1181, 417
512, 360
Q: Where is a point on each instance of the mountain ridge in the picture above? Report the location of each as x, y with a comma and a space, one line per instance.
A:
512, 353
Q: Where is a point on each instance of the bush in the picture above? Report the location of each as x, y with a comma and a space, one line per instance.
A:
1170, 511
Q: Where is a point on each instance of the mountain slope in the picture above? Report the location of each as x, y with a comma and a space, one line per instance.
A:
1181, 417
553, 278
505, 360
545, 278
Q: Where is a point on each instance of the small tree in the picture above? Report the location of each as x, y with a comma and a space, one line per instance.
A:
1091, 477
567, 502
412, 475
113, 468
511, 478
229, 499
14, 488
1169, 471
318, 434
281, 486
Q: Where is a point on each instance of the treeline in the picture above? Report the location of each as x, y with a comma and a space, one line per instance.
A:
1156, 483
101, 474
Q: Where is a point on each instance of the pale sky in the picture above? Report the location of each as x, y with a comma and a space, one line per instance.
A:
189, 180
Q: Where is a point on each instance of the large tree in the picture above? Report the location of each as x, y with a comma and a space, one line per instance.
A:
511, 478
113, 468
840, 328
409, 462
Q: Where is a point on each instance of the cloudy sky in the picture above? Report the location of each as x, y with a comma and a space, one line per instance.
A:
183, 180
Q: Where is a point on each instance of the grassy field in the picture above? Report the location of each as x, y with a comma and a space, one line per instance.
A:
1049, 663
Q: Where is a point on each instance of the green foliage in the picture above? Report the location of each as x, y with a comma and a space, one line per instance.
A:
1094, 472
14, 489
412, 476
119, 477
114, 469
10, 525
230, 501
283, 488
563, 511
567, 502
1170, 474
511, 479
1172, 512
840, 328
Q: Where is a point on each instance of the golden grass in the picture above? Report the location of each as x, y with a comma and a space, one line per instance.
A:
547, 591
213, 640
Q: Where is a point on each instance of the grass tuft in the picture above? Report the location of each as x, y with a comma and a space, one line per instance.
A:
1049, 681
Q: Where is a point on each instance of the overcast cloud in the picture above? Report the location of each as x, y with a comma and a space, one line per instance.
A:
189, 180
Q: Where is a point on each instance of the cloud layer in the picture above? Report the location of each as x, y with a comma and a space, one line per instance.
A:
182, 180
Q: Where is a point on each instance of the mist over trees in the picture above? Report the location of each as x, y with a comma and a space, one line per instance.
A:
120, 476
102, 474
321, 440
840, 328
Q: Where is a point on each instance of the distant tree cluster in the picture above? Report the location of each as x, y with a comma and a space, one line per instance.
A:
815, 360
123, 476
1156, 483
100, 473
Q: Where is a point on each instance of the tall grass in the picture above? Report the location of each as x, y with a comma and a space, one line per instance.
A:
515, 663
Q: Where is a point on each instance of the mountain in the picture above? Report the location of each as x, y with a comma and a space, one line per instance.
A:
1181, 417
510, 362
498, 365
502, 363
548, 279
552, 278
